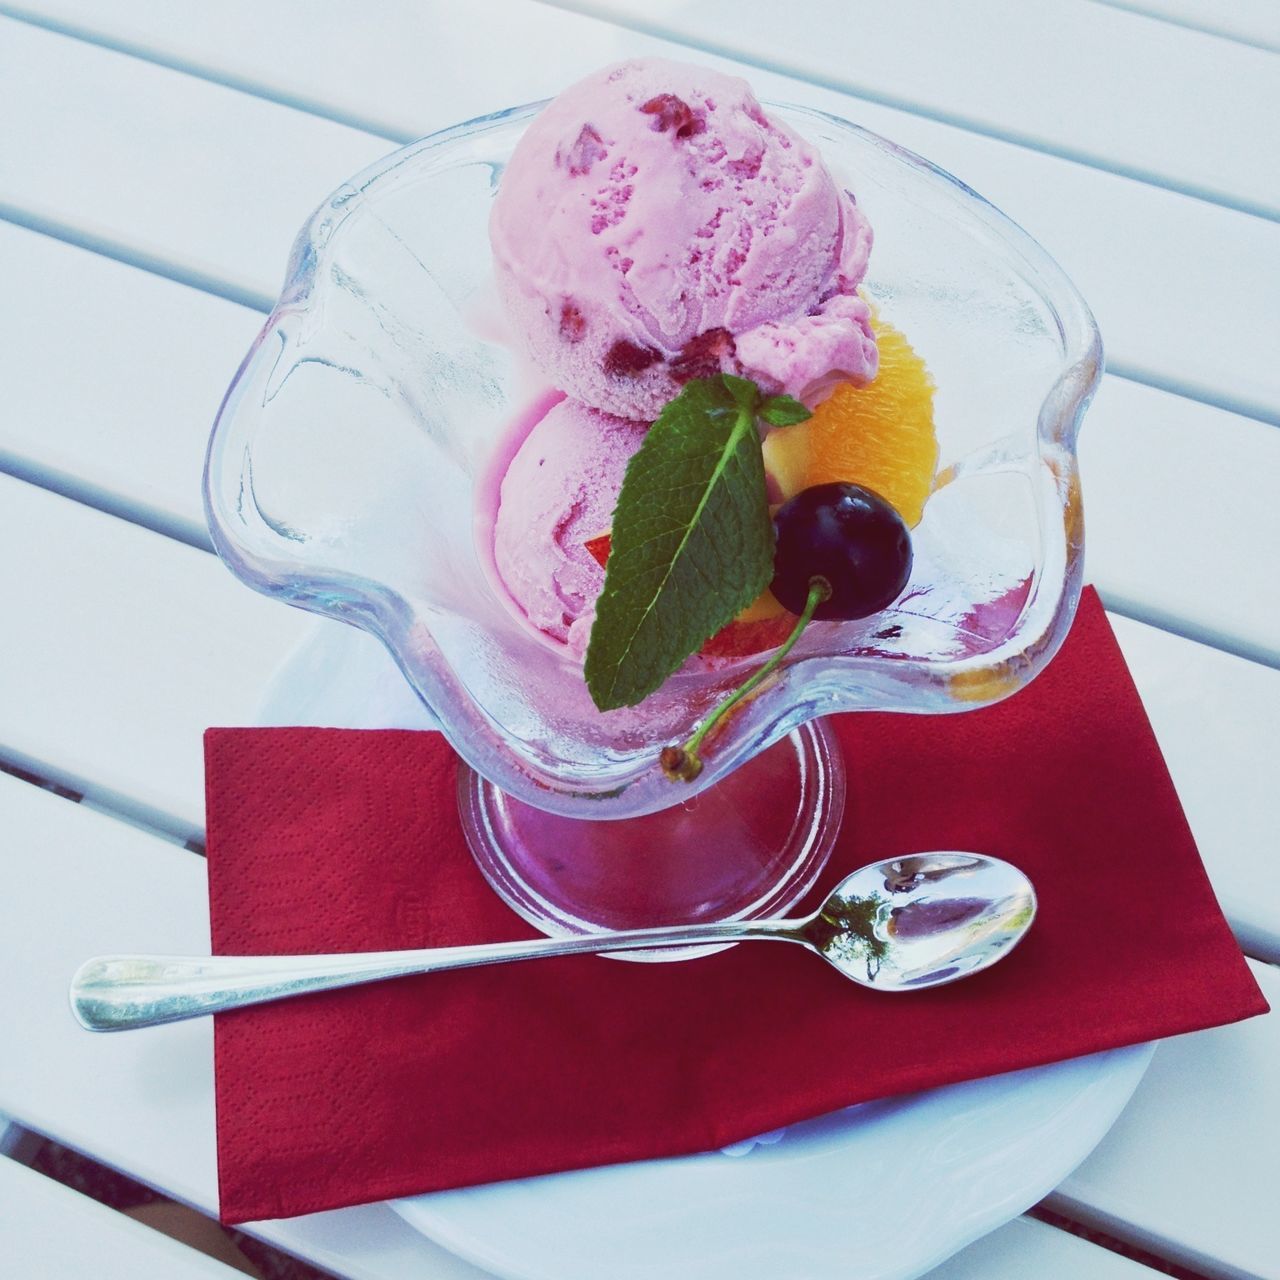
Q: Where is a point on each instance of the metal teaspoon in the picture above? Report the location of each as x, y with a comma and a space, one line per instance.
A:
898, 925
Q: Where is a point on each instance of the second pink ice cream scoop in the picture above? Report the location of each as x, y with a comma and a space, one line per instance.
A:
558, 493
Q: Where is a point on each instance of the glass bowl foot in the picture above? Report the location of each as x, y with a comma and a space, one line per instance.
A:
749, 847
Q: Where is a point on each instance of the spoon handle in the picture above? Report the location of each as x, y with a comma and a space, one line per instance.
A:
118, 993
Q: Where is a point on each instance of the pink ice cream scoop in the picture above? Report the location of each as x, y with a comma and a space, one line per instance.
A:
654, 225
558, 493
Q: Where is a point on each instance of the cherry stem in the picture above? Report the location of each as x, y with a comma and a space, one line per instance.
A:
683, 763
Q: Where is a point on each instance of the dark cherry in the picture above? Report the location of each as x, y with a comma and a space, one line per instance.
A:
851, 537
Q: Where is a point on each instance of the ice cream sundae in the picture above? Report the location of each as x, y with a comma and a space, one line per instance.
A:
583, 533
669, 255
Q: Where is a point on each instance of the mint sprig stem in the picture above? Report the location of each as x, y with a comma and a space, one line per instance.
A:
683, 763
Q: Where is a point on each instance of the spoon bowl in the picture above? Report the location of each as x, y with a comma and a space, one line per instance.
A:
898, 925
922, 921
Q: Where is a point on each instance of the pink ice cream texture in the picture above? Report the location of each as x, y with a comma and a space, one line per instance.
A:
558, 493
655, 225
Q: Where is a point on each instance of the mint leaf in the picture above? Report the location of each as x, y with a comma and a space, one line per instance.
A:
692, 542
783, 411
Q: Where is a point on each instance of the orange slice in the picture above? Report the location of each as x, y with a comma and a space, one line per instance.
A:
880, 436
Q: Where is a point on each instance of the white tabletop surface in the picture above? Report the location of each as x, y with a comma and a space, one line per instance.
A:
156, 160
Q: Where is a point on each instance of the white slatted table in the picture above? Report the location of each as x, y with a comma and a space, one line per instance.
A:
49, 1230
155, 162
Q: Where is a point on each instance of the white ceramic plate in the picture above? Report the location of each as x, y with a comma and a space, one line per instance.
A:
882, 1191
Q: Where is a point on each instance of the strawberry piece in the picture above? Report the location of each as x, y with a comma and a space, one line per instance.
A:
627, 360
599, 548
672, 113
587, 148
738, 639
703, 356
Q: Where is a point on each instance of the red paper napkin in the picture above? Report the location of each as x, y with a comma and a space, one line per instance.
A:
340, 840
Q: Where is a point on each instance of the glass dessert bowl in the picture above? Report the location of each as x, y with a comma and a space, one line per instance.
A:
354, 469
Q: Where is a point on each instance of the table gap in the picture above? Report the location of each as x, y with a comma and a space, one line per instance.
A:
118, 1191
1189, 24
1113, 1244
213, 74
102, 499
1155, 617
135, 256
1216, 398
110, 804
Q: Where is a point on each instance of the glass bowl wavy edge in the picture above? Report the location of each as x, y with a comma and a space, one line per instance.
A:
814, 681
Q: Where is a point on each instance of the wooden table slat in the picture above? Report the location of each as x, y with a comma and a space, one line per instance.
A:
1103, 86
1255, 22
187, 177
1186, 1203
1179, 517
112, 379
1216, 718
121, 647
980, 63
